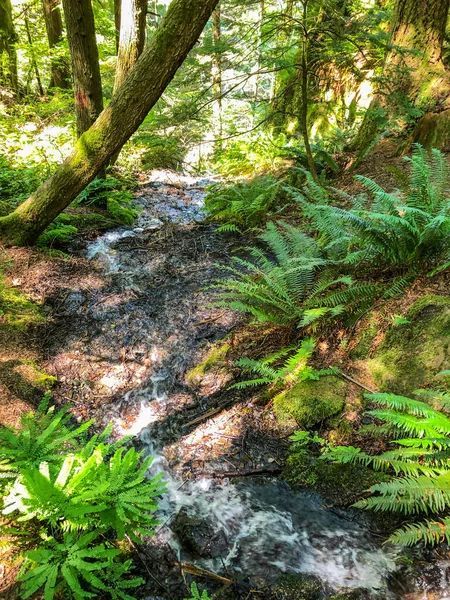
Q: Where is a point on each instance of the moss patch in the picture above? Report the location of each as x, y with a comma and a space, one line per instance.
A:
341, 485
16, 311
310, 403
25, 379
413, 353
215, 360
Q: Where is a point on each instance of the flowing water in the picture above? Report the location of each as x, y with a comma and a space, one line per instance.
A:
260, 527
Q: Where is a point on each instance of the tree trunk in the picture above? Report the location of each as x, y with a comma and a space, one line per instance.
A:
132, 38
85, 66
33, 55
169, 46
216, 78
60, 75
414, 75
117, 12
8, 55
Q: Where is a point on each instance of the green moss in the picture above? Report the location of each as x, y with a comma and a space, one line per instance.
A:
341, 485
310, 403
299, 587
124, 215
365, 340
214, 359
413, 353
16, 311
25, 379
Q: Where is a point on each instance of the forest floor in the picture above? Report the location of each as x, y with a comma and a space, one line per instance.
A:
126, 327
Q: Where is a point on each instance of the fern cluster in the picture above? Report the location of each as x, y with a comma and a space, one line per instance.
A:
349, 257
243, 205
294, 369
420, 485
66, 496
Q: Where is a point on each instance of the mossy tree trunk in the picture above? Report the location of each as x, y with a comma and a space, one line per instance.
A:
8, 55
60, 75
87, 83
163, 55
414, 75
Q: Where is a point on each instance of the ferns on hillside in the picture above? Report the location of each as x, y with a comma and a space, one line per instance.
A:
420, 461
350, 257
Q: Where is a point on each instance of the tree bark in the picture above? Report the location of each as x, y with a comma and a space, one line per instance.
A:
60, 75
33, 55
131, 39
169, 46
413, 74
8, 55
85, 66
216, 78
117, 13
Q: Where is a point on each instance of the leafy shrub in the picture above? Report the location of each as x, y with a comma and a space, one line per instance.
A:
420, 463
67, 497
243, 205
18, 182
161, 152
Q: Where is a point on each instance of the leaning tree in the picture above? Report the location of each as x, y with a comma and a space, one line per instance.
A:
163, 55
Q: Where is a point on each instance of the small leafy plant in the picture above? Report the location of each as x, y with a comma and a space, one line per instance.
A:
196, 593
66, 497
294, 369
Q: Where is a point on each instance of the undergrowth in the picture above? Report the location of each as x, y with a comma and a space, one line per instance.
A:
66, 498
419, 462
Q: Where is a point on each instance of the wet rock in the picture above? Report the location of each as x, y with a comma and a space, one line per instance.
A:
199, 536
342, 485
310, 403
74, 302
413, 353
300, 587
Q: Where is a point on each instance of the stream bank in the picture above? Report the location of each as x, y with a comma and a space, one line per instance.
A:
127, 326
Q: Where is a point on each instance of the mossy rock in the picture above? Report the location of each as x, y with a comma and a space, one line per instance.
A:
310, 403
299, 587
341, 485
365, 339
215, 363
413, 353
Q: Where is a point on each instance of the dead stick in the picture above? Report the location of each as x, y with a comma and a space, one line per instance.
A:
361, 385
226, 475
199, 572
207, 415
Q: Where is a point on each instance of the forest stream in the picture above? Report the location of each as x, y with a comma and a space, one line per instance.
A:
157, 304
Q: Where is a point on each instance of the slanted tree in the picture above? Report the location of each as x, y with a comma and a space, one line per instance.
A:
8, 55
176, 35
414, 75
60, 75
87, 82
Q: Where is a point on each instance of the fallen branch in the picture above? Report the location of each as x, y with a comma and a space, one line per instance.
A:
361, 385
249, 473
199, 572
211, 413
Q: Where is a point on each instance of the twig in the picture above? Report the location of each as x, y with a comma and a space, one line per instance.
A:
199, 572
211, 320
249, 473
207, 415
361, 385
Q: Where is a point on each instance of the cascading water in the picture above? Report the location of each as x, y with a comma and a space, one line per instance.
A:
264, 528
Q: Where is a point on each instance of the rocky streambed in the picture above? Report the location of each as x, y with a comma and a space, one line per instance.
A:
124, 347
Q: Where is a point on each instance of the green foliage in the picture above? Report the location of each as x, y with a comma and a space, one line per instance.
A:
196, 594
243, 205
66, 496
294, 369
161, 152
17, 182
112, 194
420, 462
301, 279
